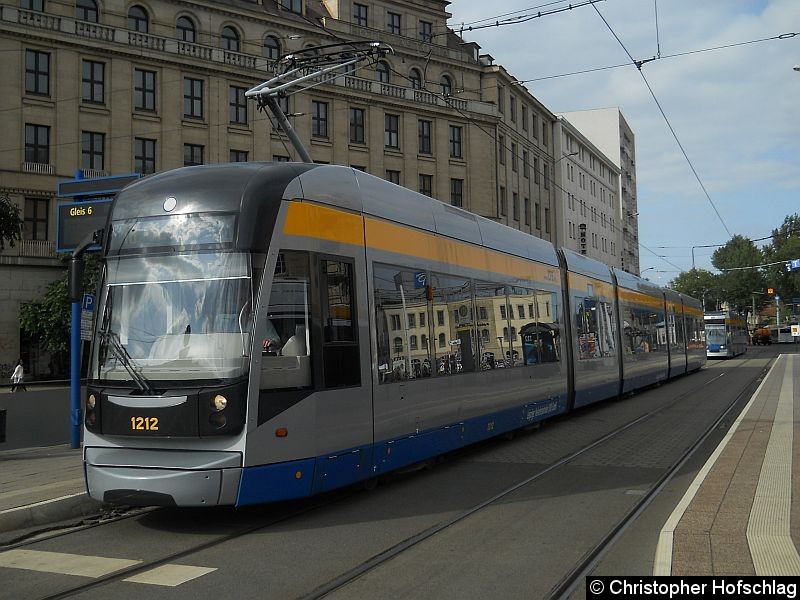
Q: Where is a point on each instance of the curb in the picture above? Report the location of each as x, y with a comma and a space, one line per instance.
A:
48, 512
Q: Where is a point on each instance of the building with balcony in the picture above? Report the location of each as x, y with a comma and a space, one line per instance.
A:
118, 87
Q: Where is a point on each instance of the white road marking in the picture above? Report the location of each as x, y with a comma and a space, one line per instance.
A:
170, 575
66, 564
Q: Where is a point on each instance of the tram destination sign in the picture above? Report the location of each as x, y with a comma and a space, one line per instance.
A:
76, 220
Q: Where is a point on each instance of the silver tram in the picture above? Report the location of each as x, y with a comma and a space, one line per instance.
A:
268, 331
726, 334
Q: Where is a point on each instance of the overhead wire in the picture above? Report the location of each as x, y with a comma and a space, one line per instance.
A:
666, 119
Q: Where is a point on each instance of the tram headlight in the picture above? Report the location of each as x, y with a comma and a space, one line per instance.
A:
91, 402
220, 402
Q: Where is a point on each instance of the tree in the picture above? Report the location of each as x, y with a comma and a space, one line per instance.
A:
739, 260
700, 284
10, 222
785, 247
49, 319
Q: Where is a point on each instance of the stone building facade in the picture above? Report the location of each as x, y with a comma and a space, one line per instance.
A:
112, 87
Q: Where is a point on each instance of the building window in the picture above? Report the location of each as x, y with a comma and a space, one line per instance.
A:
527, 211
457, 192
392, 131
513, 106
283, 104
426, 185
442, 340
544, 134
37, 143
137, 19
229, 39
92, 155
524, 118
501, 100
502, 201
37, 72
425, 31
271, 48
360, 12
280, 158
534, 125
537, 213
547, 220
535, 170
238, 105
393, 23
319, 119
546, 173
144, 156
455, 142
446, 84
501, 149
192, 155
382, 70
415, 78
295, 6
424, 129
514, 166
393, 176
526, 168
192, 98
238, 156
357, 125
86, 10
184, 29
93, 82
35, 218
37, 5
144, 90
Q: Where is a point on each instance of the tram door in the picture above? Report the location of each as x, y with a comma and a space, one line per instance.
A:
344, 400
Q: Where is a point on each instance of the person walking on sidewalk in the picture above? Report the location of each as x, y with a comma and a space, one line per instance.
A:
17, 378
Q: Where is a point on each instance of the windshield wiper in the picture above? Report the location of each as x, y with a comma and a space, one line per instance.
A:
121, 354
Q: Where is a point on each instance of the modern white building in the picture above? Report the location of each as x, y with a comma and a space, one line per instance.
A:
610, 132
588, 218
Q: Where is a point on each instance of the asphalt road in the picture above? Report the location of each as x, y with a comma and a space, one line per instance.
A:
519, 546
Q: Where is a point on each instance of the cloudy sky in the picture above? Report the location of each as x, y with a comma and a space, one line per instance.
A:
736, 111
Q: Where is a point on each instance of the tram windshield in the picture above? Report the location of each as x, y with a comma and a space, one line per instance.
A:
176, 317
716, 334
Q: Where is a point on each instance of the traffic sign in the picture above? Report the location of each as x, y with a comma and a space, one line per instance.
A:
88, 302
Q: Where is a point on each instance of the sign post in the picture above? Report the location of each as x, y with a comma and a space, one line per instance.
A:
79, 229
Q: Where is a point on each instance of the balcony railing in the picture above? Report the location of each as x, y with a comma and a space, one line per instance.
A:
95, 31
37, 168
37, 248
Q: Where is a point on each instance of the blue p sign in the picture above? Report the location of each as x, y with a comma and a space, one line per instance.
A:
88, 302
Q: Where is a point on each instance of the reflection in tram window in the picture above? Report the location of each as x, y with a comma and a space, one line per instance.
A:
286, 352
596, 331
453, 296
641, 329
399, 294
490, 302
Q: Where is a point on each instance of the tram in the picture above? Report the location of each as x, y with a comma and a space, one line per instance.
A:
726, 334
268, 331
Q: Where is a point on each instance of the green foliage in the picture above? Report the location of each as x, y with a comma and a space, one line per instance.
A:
737, 284
700, 284
10, 222
785, 247
49, 318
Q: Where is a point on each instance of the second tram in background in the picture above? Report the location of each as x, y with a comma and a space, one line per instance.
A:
726, 334
781, 335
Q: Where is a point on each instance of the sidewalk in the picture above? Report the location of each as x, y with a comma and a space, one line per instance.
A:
40, 487
738, 516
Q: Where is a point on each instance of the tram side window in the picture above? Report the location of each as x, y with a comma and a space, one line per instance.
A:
453, 296
641, 330
286, 352
525, 347
340, 355
400, 293
596, 329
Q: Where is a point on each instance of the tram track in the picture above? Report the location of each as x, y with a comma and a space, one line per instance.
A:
563, 589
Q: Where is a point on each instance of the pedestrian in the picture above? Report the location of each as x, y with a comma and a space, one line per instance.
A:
17, 378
